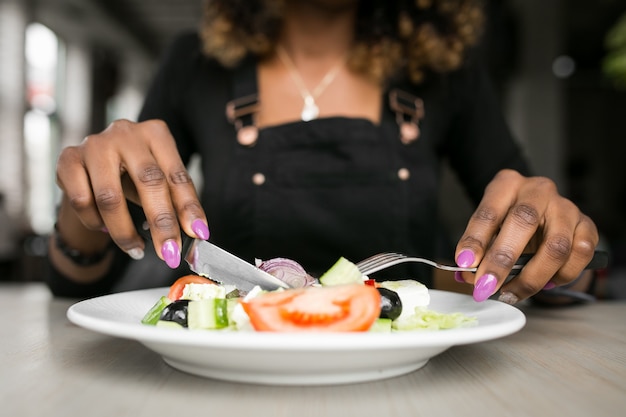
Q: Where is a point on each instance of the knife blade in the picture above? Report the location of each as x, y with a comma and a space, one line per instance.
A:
209, 260
206, 259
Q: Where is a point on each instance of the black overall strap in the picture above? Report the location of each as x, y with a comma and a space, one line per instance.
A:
245, 79
238, 104
245, 102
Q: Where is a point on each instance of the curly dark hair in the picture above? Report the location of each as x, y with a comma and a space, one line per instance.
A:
414, 36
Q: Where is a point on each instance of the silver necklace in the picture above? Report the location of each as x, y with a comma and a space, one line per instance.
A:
310, 110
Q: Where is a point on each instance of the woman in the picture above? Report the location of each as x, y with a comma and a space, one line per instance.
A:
321, 125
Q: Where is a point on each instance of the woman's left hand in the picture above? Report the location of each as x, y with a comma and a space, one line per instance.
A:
517, 213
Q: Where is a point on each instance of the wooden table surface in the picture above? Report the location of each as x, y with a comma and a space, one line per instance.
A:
564, 362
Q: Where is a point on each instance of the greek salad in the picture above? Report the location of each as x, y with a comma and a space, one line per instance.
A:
341, 300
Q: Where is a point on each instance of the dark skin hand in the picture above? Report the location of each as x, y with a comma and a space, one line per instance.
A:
138, 161
517, 213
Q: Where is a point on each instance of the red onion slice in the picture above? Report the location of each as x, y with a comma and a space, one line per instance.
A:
286, 270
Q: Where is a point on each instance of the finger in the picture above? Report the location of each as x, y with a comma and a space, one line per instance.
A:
486, 221
553, 252
522, 222
103, 163
464, 277
586, 239
152, 187
72, 178
188, 208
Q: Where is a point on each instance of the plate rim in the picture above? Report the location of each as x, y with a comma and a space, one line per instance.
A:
304, 341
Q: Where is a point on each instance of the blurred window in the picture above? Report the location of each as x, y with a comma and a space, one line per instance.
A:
41, 127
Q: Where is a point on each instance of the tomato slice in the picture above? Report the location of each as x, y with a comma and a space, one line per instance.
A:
340, 308
176, 289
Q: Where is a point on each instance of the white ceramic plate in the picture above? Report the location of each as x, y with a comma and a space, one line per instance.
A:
290, 359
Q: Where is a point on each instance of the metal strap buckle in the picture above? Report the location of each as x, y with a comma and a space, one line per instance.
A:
239, 112
409, 111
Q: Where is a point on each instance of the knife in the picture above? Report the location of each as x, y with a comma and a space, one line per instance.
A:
211, 261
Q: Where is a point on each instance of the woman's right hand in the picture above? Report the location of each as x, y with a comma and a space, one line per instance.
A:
139, 162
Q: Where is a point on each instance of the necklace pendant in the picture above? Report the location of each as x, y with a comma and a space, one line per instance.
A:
310, 110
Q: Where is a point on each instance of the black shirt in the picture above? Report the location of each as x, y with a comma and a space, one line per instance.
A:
330, 187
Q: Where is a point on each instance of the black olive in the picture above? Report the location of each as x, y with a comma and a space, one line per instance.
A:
176, 311
390, 304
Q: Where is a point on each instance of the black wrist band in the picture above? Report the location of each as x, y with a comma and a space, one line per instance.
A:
75, 255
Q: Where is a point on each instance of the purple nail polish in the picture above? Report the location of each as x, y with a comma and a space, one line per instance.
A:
549, 286
171, 253
465, 258
200, 229
485, 287
458, 277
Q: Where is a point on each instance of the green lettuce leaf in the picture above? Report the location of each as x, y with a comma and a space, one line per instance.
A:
425, 319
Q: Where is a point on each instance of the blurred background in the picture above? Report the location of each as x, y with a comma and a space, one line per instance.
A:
70, 67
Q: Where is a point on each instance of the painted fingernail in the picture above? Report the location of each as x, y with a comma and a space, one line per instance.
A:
200, 229
458, 277
485, 287
135, 253
104, 230
465, 258
550, 285
508, 297
171, 253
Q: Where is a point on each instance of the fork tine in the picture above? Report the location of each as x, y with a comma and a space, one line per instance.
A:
387, 259
374, 260
379, 261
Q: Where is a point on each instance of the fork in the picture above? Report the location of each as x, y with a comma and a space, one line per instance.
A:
386, 259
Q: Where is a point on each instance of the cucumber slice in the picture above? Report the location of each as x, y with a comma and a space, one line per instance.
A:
168, 324
342, 272
153, 315
381, 326
207, 314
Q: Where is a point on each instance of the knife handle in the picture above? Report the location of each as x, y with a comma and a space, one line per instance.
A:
141, 225
600, 260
